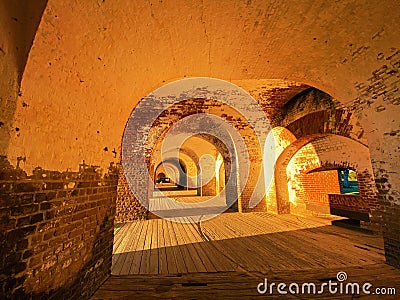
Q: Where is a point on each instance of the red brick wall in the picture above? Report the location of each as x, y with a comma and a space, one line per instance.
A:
317, 185
56, 232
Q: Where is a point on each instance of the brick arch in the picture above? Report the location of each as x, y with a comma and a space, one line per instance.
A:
190, 159
308, 115
179, 167
281, 202
329, 153
281, 179
193, 106
315, 112
155, 157
233, 200
328, 166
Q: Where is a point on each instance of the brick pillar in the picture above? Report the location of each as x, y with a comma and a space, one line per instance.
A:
253, 187
385, 161
209, 188
208, 180
382, 127
231, 185
128, 208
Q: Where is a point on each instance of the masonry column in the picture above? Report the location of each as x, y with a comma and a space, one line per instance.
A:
208, 179
382, 123
385, 156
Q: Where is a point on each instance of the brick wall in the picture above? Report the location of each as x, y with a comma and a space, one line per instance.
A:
378, 105
128, 208
57, 231
317, 185
349, 202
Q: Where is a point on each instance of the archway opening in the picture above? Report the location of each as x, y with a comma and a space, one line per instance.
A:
287, 168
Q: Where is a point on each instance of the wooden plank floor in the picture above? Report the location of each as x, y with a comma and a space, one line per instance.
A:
258, 242
243, 285
190, 207
226, 257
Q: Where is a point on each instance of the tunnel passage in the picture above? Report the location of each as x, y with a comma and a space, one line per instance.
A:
172, 171
227, 125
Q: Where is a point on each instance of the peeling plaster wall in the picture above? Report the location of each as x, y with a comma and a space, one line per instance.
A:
110, 55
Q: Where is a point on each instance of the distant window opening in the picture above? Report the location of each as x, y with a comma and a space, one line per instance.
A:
348, 182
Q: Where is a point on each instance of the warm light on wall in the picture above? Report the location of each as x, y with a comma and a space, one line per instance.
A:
219, 180
307, 155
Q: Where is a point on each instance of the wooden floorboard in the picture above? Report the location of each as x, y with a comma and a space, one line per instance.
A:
130, 256
226, 256
243, 285
187, 258
171, 251
135, 268
257, 242
162, 253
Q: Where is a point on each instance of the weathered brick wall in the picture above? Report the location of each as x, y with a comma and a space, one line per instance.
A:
315, 112
57, 232
128, 208
378, 106
349, 202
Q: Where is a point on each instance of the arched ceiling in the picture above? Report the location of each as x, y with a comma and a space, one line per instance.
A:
18, 25
92, 61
